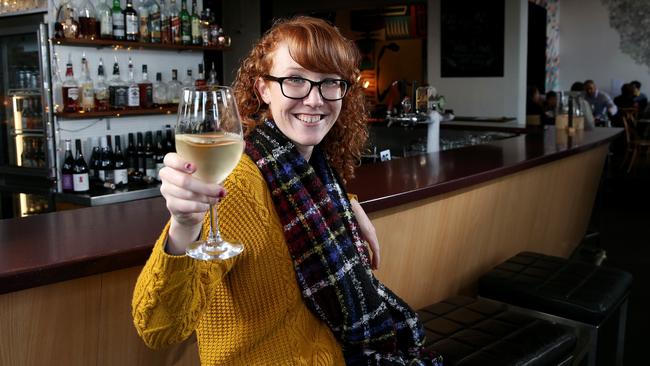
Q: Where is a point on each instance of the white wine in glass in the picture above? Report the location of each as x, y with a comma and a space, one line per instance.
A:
209, 135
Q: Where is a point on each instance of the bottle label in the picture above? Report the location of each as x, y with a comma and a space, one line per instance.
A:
144, 27
73, 93
121, 176
121, 98
131, 24
134, 96
102, 175
88, 97
66, 182
106, 25
154, 27
118, 25
176, 29
80, 182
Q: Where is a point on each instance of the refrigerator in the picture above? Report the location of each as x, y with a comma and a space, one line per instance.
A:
27, 163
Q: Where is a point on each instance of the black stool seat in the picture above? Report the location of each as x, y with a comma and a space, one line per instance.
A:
574, 290
467, 332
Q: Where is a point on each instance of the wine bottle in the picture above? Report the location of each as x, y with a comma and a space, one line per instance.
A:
120, 169
168, 146
131, 21
94, 162
139, 148
80, 171
67, 169
131, 157
119, 31
186, 24
150, 163
106, 164
159, 154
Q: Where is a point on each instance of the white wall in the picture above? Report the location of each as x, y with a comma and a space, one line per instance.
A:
589, 49
494, 96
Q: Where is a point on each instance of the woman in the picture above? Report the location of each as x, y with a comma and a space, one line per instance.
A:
302, 292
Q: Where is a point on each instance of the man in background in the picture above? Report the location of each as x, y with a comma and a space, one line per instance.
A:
601, 103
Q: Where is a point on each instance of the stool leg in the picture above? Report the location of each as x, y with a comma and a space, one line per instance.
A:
622, 320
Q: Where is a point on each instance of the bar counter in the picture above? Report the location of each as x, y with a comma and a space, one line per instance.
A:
442, 220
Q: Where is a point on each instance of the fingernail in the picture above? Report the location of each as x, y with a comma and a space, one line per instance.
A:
188, 167
221, 194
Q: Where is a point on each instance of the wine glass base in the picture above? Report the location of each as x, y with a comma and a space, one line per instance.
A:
219, 251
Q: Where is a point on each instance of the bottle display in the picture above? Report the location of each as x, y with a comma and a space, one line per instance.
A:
159, 154
196, 25
165, 24
87, 21
66, 25
80, 179
139, 150
67, 169
120, 174
102, 95
106, 167
174, 88
169, 144
186, 24
188, 82
86, 87
150, 163
131, 157
205, 27
94, 161
145, 89
133, 90
105, 17
143, 22
70, 89
200, 79
159, 91
174, 23
131, 22
155, 19
119, 30
118, 90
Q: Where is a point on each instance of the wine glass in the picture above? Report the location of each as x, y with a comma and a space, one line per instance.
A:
209, 135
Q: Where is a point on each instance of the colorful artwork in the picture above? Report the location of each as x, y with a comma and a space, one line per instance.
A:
552, 43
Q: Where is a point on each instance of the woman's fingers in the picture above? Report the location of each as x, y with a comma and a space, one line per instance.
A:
180, 178
169, 190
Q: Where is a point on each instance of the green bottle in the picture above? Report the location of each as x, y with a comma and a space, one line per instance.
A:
119, 26
186, 24
196, 25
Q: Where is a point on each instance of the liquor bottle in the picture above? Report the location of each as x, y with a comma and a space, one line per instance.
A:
158, 154
165, 23
174, 88
186, 24
119, 30
67, 169
131, 157
174, 23
106, 163
120, 170
94, 160
86, 87
205, 27
189, 80
150, 163
143, 14
87, 21
70, 89
118, 91
139, 149
196, 24
80, 181
200, 79
145, 90
66, 25
133, 99
168, 145
105, 17
159, 91
57, 85
212, 79
154, 21
131, 21
102, 96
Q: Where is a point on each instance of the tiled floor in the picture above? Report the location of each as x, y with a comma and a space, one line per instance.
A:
622, 216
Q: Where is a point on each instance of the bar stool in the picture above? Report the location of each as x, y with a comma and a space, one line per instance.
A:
590, 298
467, 331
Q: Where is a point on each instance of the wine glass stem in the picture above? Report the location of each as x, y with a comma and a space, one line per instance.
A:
214, 236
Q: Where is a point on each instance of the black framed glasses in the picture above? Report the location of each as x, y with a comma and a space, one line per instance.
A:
296, 87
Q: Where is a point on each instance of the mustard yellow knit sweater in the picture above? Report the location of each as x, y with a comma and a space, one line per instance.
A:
247, 310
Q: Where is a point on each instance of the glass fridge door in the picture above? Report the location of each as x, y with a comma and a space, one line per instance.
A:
23, 133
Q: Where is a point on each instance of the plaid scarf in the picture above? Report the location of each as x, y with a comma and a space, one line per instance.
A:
331, 260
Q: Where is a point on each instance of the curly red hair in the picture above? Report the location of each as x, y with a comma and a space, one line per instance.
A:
317, 46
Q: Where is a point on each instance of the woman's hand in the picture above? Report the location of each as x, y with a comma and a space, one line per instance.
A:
367, 232
188, 199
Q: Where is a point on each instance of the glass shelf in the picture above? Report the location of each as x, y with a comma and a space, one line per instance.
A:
102, 43
166, 109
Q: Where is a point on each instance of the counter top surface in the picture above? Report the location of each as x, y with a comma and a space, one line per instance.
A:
64, 245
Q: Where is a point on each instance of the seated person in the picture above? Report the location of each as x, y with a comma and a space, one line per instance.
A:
601, 103
624, 101
533, 102
584, 106
640, 98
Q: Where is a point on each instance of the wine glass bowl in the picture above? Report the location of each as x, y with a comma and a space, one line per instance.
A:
209, 135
